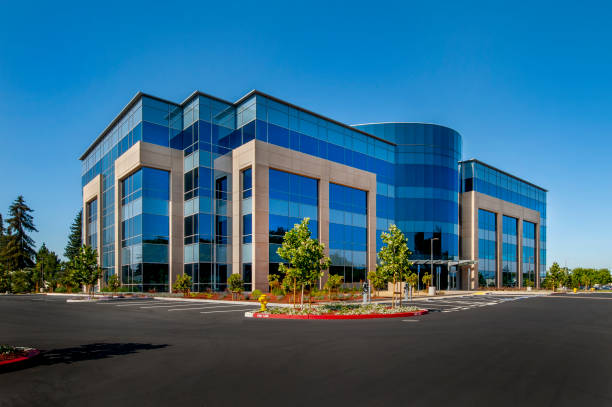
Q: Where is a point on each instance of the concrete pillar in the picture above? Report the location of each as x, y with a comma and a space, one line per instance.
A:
261, 219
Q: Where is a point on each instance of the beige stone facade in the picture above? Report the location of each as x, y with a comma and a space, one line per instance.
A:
150, 155
261, 157
470, 202
93, 191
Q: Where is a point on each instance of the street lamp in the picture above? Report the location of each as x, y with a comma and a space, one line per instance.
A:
431, 277
531, 262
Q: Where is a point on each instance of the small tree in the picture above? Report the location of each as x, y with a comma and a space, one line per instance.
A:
235, 284
85, 269
394, 259
305, 258
274, 283
413, 280
426, 280
377, 281
554, 277
114, 283
183, 284
333, 283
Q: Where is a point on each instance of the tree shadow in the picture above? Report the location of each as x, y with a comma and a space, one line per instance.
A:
92, 351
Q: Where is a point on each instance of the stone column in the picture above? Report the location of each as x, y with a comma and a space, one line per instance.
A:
261, 238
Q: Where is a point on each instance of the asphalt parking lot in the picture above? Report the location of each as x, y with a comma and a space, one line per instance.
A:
471, 351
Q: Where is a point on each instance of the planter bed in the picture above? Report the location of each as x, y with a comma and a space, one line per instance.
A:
335, 316
338, 312
17, 356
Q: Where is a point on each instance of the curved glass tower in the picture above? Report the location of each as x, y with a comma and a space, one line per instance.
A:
426, 185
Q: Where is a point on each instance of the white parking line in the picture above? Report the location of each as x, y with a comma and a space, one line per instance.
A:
140, 303
190, 309
169, 305
228, 310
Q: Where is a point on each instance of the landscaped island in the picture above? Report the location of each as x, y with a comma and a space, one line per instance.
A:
12, 354
338, 311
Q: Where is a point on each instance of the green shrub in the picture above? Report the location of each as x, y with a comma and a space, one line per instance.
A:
21, 281
183, 284
60, 289
256, 294
235, 283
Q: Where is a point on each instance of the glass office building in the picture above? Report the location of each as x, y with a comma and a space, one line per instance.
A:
208, 187
519, 208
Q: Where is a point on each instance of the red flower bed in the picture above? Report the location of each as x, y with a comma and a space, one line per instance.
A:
335, 316
17, 355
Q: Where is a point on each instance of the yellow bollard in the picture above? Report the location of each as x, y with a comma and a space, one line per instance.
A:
263, 299
575, 289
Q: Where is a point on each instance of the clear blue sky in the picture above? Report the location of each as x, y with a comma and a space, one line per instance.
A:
527, 84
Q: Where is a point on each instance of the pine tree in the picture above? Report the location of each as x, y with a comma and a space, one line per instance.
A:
19, 246
75, 237
2, 258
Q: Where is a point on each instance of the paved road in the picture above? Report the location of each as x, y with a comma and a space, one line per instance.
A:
532, 351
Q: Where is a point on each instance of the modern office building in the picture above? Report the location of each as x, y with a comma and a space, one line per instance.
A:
208, 187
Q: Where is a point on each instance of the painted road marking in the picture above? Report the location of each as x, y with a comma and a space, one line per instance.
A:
229, 310
140, 303
190, 309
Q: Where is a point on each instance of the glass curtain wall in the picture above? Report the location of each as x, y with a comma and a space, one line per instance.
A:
425, 199
148, 119
529, 230
282, 125
207, 124
348, 233
476, 176
292, 198
246, 209
145, 230
509, 252
92, 224
487, 249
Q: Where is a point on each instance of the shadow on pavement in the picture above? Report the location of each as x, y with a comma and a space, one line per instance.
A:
91, 351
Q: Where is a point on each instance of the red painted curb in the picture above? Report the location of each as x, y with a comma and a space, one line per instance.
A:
31, 353
364, 316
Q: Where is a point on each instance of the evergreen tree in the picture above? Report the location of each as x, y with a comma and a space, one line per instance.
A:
47, 270
19, 246
3, 262
75, 237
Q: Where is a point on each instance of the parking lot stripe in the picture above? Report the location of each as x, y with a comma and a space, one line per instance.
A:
140, 303
168, 305
190, 309
229, 310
